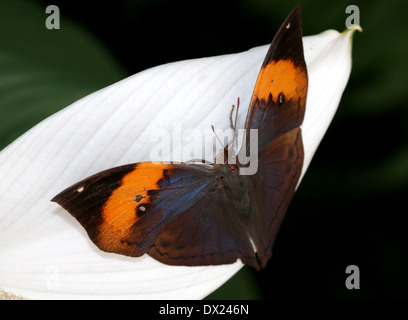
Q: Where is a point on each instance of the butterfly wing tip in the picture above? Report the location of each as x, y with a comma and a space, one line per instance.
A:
56, 197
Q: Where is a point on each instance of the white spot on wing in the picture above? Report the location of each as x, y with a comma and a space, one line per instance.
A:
80, 189
288, 26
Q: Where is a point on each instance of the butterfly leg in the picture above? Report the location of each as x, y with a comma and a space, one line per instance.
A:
231, 122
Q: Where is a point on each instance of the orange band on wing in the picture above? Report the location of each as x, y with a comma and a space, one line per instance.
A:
278, 77
127, 203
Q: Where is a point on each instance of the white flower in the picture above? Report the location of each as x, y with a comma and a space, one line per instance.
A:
46, 254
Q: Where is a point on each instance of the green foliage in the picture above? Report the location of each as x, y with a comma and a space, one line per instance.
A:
242, 286
41, 70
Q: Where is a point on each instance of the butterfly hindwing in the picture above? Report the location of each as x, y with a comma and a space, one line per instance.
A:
204, 236
208, 233
272, 188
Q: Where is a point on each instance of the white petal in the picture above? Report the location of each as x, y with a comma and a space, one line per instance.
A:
45, 253
328, 59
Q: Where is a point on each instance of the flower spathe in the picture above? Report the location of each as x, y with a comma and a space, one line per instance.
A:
45, 253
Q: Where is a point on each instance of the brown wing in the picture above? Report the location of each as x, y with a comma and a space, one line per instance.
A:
209, 233
272, 189
277, 109
176, 213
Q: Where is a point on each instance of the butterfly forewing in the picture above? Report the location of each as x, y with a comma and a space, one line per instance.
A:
124, 209
279, 98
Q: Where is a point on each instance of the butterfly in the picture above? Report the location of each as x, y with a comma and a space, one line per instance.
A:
196, 214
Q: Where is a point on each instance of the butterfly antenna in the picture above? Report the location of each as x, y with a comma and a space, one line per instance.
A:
234, 126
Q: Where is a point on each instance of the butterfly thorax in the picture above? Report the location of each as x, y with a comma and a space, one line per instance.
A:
235, 187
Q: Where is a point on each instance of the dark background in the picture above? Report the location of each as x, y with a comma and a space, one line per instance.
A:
350, 207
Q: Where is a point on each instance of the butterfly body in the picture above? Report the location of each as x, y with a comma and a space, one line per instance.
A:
194, 214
